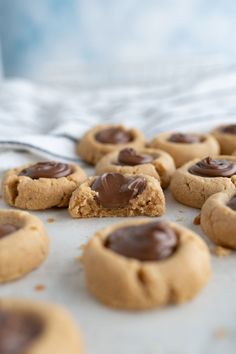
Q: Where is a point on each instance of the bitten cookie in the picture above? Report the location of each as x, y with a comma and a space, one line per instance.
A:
114, 194
142, 264
28, 327
197, 180
41, 186
186, 147
23, 244
218, 218
151, 162
103, 139
226, 136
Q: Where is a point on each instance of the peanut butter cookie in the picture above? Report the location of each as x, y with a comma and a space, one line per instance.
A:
152, 162
218, 218
226, 136
23, 244
37, 328
41, 186
114, 194
103, 139
197, 180
142, 264
186, 147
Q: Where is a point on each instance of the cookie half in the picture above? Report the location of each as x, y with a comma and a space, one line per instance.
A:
144, 264
24, 244
114, 194
218, 218
106, 138
197, 180
184, 147
152, 162
37, 328
41, 186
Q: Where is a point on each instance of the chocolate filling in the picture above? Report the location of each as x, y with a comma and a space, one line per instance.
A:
7, 229
213, 168
116, 190
229, 129
185, 138
232, 203
130, 157
18, 331
49, 169
148, 242
114, 136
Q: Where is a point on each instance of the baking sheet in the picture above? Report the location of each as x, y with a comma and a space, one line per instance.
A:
205, 325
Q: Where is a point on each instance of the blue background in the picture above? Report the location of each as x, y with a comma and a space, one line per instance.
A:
39, 36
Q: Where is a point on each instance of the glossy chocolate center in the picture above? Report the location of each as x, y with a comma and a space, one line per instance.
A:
7, 229
213, 168
229, 129
17, 331
130, 157
114, 136
185, 138
48, 169
148, 242
116, 190
232, 203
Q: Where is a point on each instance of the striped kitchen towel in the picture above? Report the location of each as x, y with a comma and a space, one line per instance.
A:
47, 120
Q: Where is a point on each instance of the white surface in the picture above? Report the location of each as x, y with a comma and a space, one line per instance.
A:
195, 103
187, 329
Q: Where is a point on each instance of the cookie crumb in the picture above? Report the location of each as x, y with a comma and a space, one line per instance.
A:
33, 227
181, 211
220, 251
50, 220
39, 287
197, 220
221, 333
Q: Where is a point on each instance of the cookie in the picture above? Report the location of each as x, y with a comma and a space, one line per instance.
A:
197, 180
218, 218
226, 137
23, 244
142, 264
114, 194
186, 147
41, 186
151, 162
37, 328
104, 139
